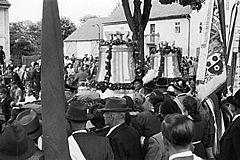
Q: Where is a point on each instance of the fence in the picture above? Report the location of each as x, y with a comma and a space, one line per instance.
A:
27, 60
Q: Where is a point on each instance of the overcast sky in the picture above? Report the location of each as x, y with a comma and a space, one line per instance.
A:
21, 10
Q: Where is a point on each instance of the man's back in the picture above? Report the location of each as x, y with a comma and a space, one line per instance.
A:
125, 142
94, 147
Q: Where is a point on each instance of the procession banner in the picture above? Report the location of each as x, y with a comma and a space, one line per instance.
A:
211, 73
235, 75
55, 143
236, 85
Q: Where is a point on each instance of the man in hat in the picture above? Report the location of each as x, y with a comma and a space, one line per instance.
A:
84, 145
125, 140
30, 122
230, 141
16, 145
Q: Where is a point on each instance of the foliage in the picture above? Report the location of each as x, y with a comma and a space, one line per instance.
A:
87, 17
195, 4
25, 36
67, 27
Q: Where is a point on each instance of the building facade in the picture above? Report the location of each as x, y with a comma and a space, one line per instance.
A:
173, 23
4, 27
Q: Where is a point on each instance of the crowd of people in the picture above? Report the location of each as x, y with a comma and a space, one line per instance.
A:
153, 123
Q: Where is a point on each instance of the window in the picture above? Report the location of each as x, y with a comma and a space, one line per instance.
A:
152, 32
177, 27
200, 27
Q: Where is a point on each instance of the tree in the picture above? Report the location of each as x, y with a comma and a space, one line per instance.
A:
67, 27
195, 4
138, 20
87, 17
25, 38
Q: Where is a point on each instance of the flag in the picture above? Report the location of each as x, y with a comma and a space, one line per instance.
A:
211, 73
236, 68
55, 144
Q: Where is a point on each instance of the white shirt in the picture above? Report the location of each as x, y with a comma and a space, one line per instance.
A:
235, 117
111, 130
184, 154
29, 98
74, 149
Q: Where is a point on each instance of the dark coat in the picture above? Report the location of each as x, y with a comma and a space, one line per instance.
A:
94, 147
5, 109
147, 123
230, 142
200, 138
125, 142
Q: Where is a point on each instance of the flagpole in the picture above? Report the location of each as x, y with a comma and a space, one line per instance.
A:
55, 143
222, 21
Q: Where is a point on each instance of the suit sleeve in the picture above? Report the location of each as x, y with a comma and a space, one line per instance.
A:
236, 140
154, 151
109, 151
118, 149
138, 124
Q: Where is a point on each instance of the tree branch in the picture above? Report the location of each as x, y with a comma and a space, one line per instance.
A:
146, 12
128, 14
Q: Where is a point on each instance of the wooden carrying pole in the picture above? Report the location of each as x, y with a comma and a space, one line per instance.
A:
55, 143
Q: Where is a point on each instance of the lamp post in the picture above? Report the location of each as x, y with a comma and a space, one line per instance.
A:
99, 31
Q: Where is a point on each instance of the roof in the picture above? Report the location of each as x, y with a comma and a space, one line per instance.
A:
158, 11
4, 3
88, 31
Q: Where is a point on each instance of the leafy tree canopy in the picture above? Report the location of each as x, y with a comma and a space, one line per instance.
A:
67, 27
195, 4
25, 36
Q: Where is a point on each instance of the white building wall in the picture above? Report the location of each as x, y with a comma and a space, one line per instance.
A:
166, 30
83, 47
70, 48
123, 28
197, 17
4, 31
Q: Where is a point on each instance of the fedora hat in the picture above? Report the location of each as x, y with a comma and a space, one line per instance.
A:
28, 119
15, 143
77, 111
235, 100
115, 104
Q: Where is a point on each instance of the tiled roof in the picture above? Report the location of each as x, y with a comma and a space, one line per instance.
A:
4, 3
158, 11
87, 31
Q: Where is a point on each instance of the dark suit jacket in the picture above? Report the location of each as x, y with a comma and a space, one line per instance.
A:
94, 147
5, 109
230, 142
125, 142
147, 123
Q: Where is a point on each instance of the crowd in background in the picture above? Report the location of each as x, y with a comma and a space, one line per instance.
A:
154, 123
